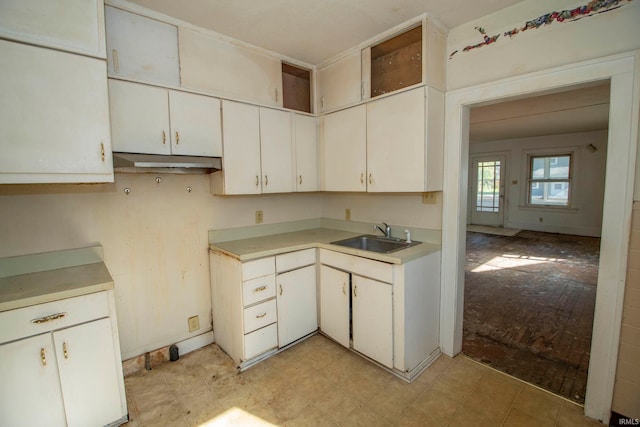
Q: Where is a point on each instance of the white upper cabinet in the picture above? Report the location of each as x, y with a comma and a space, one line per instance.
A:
344, 149
241, 173
54, 116
396, 142
139, 118
71, 25
152, 120
306, 148
276, 151
195, 124
340, 83
140, 48
211, 65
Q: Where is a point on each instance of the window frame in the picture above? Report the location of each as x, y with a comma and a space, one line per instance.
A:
543, 181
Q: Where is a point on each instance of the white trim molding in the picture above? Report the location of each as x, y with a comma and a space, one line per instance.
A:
622, 72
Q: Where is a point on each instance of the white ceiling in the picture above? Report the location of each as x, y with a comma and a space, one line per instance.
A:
316, 30
577, 110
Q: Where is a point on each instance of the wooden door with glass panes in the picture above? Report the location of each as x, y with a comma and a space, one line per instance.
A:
486, 195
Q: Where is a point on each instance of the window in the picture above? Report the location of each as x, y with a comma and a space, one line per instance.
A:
550, 180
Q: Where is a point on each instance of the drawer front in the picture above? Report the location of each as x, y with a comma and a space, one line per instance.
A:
259, 341
41, 318
258, 268
363, 266
260, 315
259, 289
293, 260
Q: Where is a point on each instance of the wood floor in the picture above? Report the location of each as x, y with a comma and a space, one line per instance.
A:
528, 310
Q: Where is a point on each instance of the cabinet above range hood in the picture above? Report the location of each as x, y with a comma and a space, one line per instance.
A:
140, 163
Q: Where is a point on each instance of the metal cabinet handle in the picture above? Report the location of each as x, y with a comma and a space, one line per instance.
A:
300, 179
257, 180
260, 316
48, 318
43, 357
276, 90
266, 180
344, 288
355, 291
322, 101
65, 350
260, 289
177, 138
362, 178
280, 289
102, 151
370, 179
164, 137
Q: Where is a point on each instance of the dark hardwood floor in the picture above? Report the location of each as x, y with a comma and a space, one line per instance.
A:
528, 310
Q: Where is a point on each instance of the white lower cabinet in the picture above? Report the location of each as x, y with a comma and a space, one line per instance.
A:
334, 304
262, 305
372, 305
71, 376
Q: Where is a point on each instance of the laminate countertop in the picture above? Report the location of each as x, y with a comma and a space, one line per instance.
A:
35, 279
259, 247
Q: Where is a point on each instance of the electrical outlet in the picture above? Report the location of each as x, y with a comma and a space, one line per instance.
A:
347, 214
259, 217
429, 198
194, 323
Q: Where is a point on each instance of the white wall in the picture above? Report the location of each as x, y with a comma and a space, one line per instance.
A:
585, 216
154, 239
538, 49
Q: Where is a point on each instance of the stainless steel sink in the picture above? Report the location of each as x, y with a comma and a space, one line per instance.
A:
379, 244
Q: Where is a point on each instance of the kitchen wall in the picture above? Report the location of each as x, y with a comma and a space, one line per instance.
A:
585, 216
541, 48
155, 238
550, 45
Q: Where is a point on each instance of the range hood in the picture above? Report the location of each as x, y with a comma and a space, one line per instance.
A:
130, 162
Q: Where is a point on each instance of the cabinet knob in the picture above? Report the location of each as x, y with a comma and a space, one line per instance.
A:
65, 350
43, 357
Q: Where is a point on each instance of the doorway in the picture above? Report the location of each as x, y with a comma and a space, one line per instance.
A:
620, 176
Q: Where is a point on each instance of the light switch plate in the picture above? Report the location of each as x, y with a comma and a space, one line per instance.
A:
259, 217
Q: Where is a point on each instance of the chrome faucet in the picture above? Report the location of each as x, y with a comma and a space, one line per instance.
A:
386, 231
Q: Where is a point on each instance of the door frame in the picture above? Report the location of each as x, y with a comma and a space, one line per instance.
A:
622, 72
502, 155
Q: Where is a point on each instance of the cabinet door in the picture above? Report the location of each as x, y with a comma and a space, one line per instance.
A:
344, 150
340, 83
139, 118
54, 116
141, 48
306, 147
372, 311
195, 124
241, 148
30, 388
396, 143
88, 373
334, 304
73, 25
212, 65
276, 151
297, 309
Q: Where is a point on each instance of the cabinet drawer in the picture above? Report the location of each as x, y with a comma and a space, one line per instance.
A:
53, 315
259, 341
258, 289
363, 266
260, 315
258, 268
293, 260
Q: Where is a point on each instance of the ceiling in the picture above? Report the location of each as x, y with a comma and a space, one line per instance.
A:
314, 31
577, 110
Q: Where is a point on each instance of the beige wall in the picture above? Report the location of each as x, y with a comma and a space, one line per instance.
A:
626, 398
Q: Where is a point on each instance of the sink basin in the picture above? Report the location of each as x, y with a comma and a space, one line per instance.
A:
379, 244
